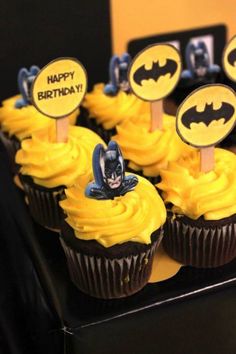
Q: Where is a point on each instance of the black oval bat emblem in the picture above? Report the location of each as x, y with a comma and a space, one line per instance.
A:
155, 72
226, 111
232, 57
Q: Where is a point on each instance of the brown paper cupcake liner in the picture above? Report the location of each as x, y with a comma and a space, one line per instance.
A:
204, 246
12, 145
106, 278
44, 203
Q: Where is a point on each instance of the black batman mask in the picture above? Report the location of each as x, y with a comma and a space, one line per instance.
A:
226, 111
155, 72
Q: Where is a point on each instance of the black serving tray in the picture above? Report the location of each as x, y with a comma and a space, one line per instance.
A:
65, 320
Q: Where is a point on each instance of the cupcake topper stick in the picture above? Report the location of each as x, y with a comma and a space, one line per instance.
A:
58, 90
205, 118
229, 59
25, 79
118, 69
109, 173
153, 75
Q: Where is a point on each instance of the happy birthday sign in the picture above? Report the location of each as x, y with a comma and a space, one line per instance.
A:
59, 87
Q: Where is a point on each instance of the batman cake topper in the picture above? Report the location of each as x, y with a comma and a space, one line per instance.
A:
118, 71
198, 64
109, 173
155, 71
207, 115
229, 59
25, 79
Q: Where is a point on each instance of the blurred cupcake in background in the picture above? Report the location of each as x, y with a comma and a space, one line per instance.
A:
106, 106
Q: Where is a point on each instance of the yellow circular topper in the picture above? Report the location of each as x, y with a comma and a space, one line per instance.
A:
59, 87
207, 115
229, 59
155, 71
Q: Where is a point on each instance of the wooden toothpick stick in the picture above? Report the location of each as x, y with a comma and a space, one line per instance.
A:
207, 159
62, 127
156, 115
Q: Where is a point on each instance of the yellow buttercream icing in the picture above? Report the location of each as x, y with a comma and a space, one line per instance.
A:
150, 151
131, 217
23, 122
194, 193
112, 110
52, 164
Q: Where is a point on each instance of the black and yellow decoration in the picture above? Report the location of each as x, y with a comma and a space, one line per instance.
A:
155, 71
207, 115
229, 59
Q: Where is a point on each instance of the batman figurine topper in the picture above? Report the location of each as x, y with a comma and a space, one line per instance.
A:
109, 174
198, 63
118, 69
25, 79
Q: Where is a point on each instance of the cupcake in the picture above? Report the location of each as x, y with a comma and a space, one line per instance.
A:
47, 167
112, 229
19, 119
148, 152
201, 223
106, 106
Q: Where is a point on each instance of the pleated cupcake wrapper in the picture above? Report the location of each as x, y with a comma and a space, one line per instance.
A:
12, 145
200, 247
44, 205
106, 278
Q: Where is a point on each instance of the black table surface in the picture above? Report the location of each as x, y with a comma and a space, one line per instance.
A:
193, 312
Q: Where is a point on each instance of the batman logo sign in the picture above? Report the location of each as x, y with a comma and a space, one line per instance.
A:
203, 124
155, 72
226, 111
232, 57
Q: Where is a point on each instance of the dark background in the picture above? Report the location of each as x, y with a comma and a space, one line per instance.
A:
36, 32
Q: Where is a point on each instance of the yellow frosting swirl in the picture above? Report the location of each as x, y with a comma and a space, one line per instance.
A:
131, 217
112, 110
150, 151
52, 164
23, 122
194, 193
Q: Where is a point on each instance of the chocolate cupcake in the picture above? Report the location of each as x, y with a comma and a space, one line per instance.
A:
19, 119
111, 233
106, 106
48, 167
147, 152
201, 223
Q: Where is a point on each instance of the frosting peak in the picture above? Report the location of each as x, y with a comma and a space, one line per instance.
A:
112, 110
150, 151
195, 193
52, 164
131, 217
